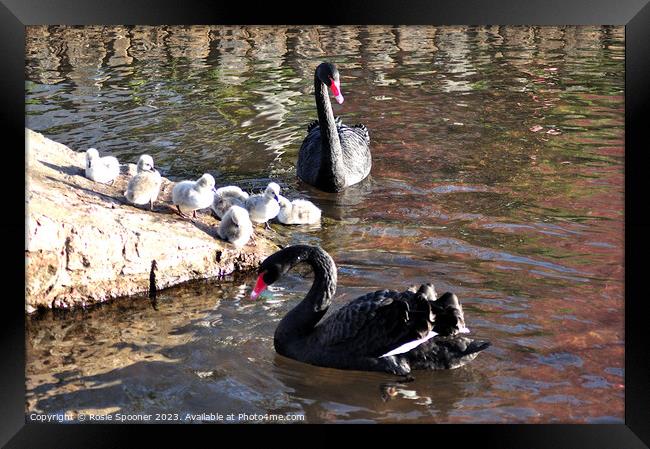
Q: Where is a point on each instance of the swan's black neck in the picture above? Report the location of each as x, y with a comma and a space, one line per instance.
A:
302, 319
331, 164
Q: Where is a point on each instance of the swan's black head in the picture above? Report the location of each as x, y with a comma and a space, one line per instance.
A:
329, 75
278, 264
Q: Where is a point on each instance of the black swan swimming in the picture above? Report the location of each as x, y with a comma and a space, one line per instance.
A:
384, 331
333, 156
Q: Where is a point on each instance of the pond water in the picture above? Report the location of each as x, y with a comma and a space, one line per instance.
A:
497, 174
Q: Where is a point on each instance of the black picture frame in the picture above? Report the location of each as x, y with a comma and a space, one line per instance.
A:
633, 14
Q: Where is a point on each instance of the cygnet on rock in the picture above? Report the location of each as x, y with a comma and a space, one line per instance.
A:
143, 188
264, 206
193, 195
228, 196
236, 226
101, 169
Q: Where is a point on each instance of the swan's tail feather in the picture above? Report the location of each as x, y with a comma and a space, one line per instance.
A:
446, 353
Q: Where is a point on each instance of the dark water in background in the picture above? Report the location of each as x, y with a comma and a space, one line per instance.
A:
524, 224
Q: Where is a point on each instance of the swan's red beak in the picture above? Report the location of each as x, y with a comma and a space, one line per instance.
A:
260, 285
335, 86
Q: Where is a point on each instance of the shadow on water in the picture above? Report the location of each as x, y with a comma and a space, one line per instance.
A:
370, 397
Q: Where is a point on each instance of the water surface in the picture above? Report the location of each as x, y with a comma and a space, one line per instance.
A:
497, 174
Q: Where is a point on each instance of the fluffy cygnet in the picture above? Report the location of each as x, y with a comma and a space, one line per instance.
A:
236, 226
101, 169
297, 211
143, 188
264, 206
193, 195
228, 196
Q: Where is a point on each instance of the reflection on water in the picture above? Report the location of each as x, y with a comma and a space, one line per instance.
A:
498, 174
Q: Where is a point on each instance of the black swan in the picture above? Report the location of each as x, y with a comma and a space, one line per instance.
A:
333, 156
384, 331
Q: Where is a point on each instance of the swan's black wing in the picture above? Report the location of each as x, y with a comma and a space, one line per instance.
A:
362, 131
376, 323
356, 152
345, 131
359, 129
357, 160
315, 123
450, 318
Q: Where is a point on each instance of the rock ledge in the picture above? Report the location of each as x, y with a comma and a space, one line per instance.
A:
85, 244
